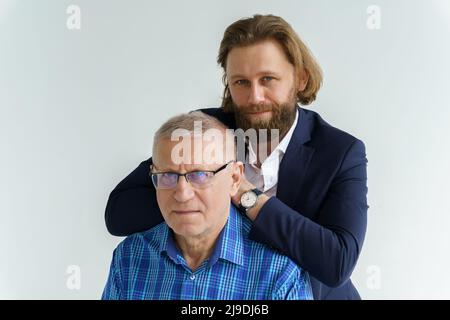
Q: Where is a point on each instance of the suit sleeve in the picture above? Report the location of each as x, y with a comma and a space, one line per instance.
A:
132, 205
328, 248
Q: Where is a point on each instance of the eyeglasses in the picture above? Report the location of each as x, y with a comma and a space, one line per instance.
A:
198, 179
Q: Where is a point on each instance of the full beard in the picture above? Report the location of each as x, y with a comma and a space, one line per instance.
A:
283, 116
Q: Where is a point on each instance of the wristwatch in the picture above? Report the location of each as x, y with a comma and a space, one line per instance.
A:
248, 199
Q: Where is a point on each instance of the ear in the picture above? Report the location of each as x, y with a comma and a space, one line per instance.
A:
236, 176
303, 78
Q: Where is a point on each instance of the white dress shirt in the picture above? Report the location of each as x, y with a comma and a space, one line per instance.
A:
266, 177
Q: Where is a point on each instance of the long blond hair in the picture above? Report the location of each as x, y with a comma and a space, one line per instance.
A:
258, 28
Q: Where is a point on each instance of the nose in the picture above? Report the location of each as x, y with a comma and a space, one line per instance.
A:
256, 95
183, 191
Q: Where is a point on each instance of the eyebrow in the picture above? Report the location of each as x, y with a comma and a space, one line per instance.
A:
265, 73
176, 171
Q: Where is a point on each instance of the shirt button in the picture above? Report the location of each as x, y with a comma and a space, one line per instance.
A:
192, 277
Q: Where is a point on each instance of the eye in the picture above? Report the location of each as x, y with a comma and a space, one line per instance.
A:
267, 78
167, 177
199, 176
241, 82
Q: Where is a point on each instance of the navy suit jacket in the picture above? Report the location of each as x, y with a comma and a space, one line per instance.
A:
319, 214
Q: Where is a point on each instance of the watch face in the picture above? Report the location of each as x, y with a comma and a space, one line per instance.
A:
248, 199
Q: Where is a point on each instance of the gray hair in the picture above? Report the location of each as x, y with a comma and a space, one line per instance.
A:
188, 122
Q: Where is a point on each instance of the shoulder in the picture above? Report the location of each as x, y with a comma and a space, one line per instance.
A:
323, 132
137, 242
265, 255
218, 113
286, 277
330, 142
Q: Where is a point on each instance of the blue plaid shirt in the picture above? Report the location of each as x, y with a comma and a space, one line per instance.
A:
148, 265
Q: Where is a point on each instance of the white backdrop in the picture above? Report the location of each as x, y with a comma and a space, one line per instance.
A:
78, 108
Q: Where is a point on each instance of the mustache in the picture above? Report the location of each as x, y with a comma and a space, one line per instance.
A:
253, 108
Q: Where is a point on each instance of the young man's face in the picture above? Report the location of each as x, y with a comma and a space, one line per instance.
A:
263, 86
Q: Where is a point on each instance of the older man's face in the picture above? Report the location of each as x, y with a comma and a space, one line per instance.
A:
190, 211
263, 86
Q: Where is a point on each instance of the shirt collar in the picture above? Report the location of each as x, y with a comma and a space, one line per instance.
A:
280, 148
229, 245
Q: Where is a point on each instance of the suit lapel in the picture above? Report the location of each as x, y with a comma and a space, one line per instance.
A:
295, 161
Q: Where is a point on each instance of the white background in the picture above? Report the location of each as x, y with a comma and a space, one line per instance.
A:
78, 109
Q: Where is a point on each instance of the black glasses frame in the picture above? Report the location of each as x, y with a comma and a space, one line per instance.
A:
185, 175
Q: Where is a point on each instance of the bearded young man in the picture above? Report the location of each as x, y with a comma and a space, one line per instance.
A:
308, 197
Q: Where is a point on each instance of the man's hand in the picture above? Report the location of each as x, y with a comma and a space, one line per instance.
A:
244, 187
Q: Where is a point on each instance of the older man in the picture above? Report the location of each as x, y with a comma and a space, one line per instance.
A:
201, 250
